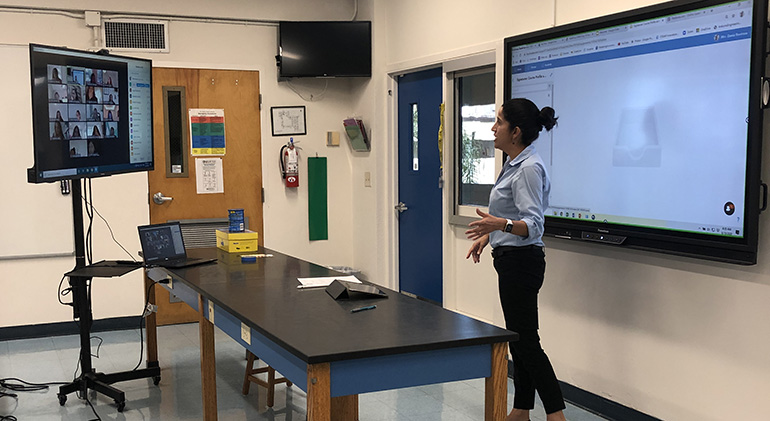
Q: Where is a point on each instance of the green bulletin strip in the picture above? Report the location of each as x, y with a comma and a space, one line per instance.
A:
318, 221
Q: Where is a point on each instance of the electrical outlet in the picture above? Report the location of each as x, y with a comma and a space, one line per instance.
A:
367, 179
245, 333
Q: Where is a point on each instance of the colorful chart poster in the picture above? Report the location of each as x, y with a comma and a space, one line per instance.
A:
207, 131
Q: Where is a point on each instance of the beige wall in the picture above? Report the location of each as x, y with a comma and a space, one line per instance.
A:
676, 338
241, 9
29, 285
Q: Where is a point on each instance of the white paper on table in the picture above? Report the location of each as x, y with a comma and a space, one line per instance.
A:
323, 281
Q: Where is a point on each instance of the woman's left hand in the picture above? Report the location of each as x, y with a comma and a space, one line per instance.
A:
487, 224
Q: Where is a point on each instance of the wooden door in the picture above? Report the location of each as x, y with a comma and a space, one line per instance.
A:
237, 92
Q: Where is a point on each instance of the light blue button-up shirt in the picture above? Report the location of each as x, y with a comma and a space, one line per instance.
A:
521, 193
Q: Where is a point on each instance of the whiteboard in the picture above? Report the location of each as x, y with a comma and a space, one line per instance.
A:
35, 219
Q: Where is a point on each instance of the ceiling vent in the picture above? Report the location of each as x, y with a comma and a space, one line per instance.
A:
135, 35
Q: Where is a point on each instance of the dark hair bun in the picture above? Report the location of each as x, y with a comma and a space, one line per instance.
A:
547, 118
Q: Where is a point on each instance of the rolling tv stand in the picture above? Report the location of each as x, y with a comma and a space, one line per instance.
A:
81, 302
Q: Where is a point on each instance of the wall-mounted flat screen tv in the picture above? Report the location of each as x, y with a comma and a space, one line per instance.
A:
658, 143
324, 49
91, 114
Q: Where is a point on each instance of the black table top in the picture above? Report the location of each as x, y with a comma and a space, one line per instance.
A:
314, 327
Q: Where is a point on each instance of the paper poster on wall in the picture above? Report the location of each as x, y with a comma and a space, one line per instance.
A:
208, 175
207, 131
287, 121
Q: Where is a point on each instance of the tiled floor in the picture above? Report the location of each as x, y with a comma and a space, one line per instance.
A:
178, 397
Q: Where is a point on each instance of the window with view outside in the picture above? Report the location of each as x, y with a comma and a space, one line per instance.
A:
476, 100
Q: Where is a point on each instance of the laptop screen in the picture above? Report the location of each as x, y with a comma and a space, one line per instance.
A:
162, 242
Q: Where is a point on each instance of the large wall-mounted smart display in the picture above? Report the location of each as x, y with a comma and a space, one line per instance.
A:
658, 143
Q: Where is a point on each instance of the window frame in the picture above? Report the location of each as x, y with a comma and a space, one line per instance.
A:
184, 149
453, 70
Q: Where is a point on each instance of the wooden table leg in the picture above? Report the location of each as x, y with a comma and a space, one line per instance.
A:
208, 363
318, 392
496, 385
320, 405
345, 408
150, 323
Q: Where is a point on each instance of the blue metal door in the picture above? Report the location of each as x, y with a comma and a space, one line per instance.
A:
419, 193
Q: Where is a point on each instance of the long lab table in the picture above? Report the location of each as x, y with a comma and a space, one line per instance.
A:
320, 346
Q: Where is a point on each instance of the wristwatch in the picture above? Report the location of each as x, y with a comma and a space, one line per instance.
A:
508, 226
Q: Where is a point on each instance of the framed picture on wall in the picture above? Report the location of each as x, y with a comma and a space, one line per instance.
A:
288, 121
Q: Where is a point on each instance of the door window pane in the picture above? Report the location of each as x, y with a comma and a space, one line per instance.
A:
415, 140
175, 126
475, 94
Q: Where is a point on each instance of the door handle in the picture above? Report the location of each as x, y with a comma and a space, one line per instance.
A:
160, 199
400, 207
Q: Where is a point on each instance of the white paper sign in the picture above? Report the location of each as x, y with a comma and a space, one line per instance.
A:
208, 175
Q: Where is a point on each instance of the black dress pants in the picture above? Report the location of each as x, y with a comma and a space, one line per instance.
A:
520, 273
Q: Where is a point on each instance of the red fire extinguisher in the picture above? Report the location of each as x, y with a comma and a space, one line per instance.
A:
290, 164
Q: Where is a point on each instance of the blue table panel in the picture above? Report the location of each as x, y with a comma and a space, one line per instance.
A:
365, 375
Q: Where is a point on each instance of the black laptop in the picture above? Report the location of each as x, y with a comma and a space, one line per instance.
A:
162, 245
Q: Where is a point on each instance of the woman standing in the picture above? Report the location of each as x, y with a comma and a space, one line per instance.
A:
514, 229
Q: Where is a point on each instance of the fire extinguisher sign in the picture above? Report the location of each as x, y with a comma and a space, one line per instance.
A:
207, 131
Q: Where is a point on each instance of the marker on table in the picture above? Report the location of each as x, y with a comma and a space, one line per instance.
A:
252, 258
309, 286
356, 310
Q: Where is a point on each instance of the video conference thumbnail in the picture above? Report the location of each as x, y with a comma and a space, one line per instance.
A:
83, 107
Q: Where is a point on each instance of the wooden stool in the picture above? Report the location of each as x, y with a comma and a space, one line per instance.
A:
269, 384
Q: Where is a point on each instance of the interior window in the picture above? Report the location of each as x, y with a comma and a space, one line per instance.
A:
474, 141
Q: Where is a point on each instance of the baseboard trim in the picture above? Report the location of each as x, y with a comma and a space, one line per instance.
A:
66, 328
596, 404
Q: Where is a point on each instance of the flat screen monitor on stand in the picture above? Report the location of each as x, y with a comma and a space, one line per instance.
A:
92, 117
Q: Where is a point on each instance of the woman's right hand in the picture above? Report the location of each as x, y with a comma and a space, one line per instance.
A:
477, 248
